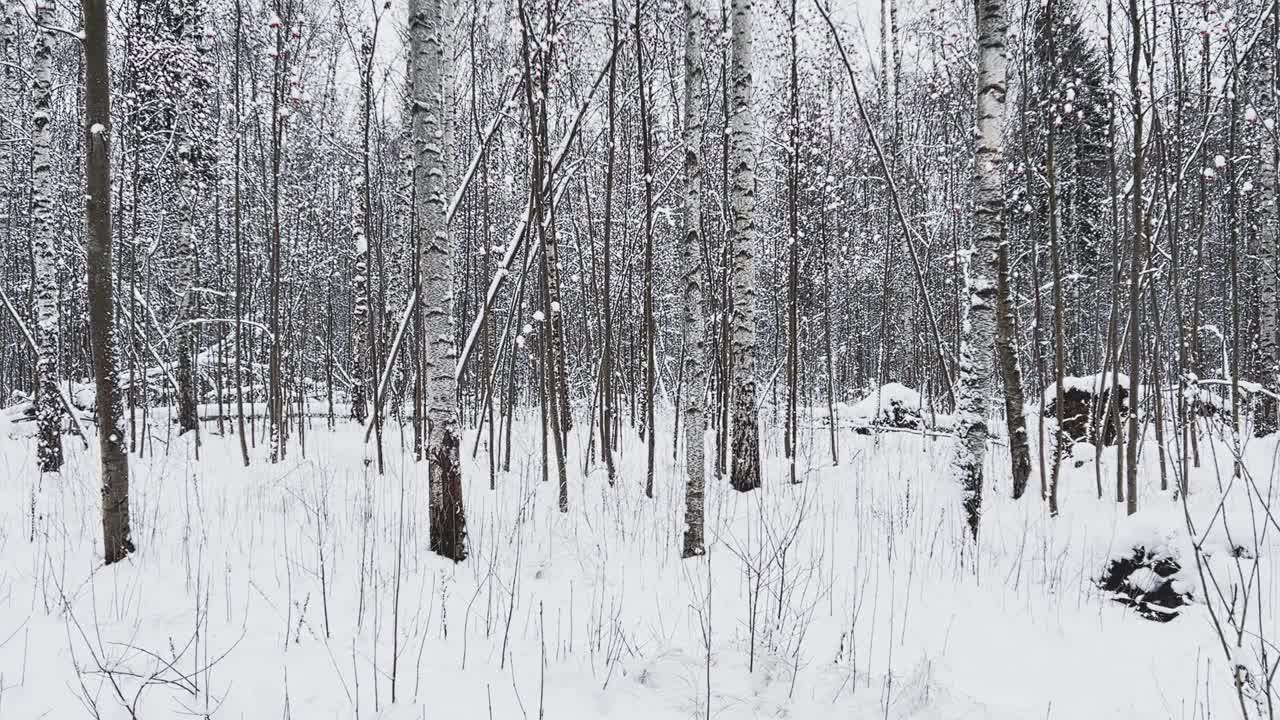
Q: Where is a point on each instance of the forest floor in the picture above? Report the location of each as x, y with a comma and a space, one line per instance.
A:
304, 589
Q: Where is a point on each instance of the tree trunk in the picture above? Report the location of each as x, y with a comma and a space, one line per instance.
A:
1269, 242
988, 219
275, 393
649, 329
791, 435
606, 357
186, 332
695, 422
1010, 372
1135, 264
237, 230
1055, 264
44, 247
360, 237
742, 205
116, 542
448, 535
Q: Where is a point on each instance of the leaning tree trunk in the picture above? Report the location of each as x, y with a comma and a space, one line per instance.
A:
988, 218
435, 280
44, 248
742, 204
116, 542
1010, 373
695, 422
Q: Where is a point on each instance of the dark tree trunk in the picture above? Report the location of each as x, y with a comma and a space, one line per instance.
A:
116, 542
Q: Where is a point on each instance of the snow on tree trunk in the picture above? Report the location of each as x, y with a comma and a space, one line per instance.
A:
360, 345
1269, 283
695, 422
360, 309
426, 59
742, 204
977, 349
8, 85
44, 248
8, 32
116, 541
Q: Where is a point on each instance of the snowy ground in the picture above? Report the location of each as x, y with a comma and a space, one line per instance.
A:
304, 590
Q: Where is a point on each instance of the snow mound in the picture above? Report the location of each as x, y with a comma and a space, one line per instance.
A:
1082, 397
1206, 402
18, 420
893, 405
1148, 569
84, 396
1091, 384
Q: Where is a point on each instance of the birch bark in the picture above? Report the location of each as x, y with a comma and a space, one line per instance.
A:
1269, 283
44, 245
448, 535
745, 473
360, 239
690, 254
976, 352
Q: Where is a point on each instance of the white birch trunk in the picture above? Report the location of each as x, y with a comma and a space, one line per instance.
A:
360, 346
360, 309
690, 255
1269, 283
44, 244
977, 350
742, 204
1270, 250
426, 61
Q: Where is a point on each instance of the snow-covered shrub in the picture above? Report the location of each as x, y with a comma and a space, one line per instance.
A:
1081, 398
1205, 402
1148, 581
84, 396
894, 406
1150, 570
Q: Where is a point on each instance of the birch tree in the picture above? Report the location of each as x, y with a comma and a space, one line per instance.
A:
435, 279
44, 246
360, 236
1269, 240
745, 473
693, 328
976, 353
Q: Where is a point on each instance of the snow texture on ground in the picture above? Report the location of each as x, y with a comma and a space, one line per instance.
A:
305, 590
